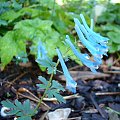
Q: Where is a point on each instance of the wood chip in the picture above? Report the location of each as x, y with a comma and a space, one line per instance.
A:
84, 75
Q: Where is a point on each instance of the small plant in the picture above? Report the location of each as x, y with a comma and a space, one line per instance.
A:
96, 45
54, 89
22, 111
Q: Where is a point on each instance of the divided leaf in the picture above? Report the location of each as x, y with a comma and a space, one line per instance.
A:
23, 111
8, 104
54, 89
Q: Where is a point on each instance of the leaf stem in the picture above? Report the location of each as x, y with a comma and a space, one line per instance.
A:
49, 83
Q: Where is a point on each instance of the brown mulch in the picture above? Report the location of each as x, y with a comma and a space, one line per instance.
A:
98, 95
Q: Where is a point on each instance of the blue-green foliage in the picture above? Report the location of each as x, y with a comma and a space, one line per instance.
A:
54, 88
43, 59
23, 111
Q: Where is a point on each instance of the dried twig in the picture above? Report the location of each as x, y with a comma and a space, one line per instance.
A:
17, 78
43, 105
107, 93
113, 72
115, 68
75, 67
9, 76
73, 118
65, 97
26, 90
97, 106
85, 75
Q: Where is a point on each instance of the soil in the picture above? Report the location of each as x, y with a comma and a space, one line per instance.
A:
98, 96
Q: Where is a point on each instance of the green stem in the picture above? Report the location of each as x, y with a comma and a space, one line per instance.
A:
53, 10
113, 110
49, 84
44, 94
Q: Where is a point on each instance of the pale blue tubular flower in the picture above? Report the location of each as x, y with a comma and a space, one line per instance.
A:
101, 48
94, 48
87, 43
94, 42
95, 36
44, 60
70, 83
98, 60
42, 53
93, 65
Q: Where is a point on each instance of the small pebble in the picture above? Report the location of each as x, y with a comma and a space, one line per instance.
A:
3, 111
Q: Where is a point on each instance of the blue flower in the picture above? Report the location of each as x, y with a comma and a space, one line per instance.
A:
87, 43
42, 53
44, 60
95, 36
85, 58
95, 48
94, 42
70, 83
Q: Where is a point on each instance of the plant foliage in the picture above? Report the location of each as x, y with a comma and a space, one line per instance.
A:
23, 111
109, 23
22, 22
54, 89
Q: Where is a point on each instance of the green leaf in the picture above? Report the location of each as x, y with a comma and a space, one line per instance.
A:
40, 30
107, 17
113, 47
48, 3
18, 104
3, 22
24, 118
26, 105
54, 89
38, 24
13, 112
41, 86
51, 70
15, 5
57, 85
10, 46
34, 30
8, 104
10, 15
43, 80
118, 47
111, 27
50, 93
59, 97
24, 110
54, 93
114, 36
20, 113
